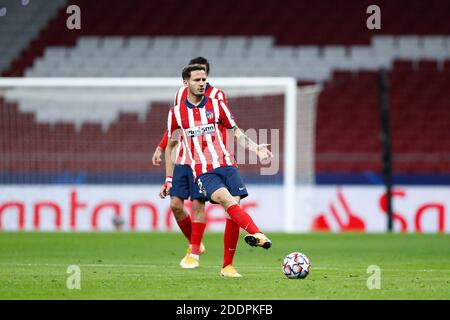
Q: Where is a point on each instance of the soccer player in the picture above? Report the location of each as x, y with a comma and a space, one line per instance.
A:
181, 94
198, 119
180, 180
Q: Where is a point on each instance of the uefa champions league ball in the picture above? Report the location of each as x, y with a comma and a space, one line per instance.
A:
296, 265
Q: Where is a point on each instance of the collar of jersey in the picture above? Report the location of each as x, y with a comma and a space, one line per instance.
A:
200, 105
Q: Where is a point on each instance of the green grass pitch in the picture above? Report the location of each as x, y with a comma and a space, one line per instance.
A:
145, 266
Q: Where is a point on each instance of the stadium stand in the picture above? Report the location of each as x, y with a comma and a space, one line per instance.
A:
118, 40
419, 127
258, 56
20, 24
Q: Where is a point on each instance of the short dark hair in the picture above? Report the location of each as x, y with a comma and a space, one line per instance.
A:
186, 73
201, 60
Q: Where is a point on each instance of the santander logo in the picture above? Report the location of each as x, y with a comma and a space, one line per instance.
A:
424, 210
345, 219
416, 213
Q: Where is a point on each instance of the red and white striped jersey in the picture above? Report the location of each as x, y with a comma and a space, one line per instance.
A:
180, 96
202, 130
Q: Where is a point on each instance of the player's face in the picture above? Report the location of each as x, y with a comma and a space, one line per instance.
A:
197, 83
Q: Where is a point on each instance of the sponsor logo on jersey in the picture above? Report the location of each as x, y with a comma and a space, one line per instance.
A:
200, 130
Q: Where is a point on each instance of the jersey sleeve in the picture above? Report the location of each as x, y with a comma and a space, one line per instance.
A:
172, 124
226, 116
175, 99
178, 96
164, 139
222, 96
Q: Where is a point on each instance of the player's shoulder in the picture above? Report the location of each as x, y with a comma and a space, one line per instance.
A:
179, 105
180, 94
215, 88
173, 107
182, 89
216, 103
212, 89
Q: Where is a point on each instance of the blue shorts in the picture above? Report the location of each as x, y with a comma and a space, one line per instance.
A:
222, 177
183, 184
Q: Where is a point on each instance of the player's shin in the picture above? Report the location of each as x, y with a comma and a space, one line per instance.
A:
230, 240
185, 225
243, 219
198, 229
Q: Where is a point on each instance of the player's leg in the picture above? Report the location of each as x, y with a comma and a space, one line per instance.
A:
209, 183
230, 241
182, 217
255, 237
237, 189
198, 226
196, 247
178, 193
215, 186
239, 218
198, 215
237, 214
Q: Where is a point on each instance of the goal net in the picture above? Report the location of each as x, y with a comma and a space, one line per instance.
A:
98, 135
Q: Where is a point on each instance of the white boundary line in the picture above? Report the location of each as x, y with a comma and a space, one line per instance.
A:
363, 269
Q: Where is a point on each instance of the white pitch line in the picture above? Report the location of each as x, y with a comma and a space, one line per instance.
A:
176, 266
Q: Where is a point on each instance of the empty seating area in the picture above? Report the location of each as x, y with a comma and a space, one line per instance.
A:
230, 56
20, 23
126, 145
347, 130
348, 121
319, 41
292, 24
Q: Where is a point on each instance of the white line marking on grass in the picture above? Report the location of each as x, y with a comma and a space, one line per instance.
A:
258, 267
87, 265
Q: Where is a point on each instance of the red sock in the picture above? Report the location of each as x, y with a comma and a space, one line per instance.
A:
198, 228
243, 219
186, 227
230, 240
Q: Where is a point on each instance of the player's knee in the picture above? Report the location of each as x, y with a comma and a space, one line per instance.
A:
198, 211
198, 207
177, 208
225, 200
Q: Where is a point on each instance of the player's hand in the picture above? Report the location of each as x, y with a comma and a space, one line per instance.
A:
164, 191
264, 153
156, 159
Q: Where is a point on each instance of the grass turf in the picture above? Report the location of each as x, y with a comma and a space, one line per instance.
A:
145, 266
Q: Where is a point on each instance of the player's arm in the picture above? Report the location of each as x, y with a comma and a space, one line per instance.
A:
222, 96
168, 157
244, 141
171, 127
156, 159
227, 118
164, 191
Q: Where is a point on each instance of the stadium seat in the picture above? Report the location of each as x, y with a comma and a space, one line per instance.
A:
157, 41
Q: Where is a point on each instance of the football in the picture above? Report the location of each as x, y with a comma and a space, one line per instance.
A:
296, 265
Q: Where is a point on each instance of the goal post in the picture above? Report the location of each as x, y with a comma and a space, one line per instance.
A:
261, 95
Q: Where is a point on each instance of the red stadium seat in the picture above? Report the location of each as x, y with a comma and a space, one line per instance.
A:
347, 112
420, 119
